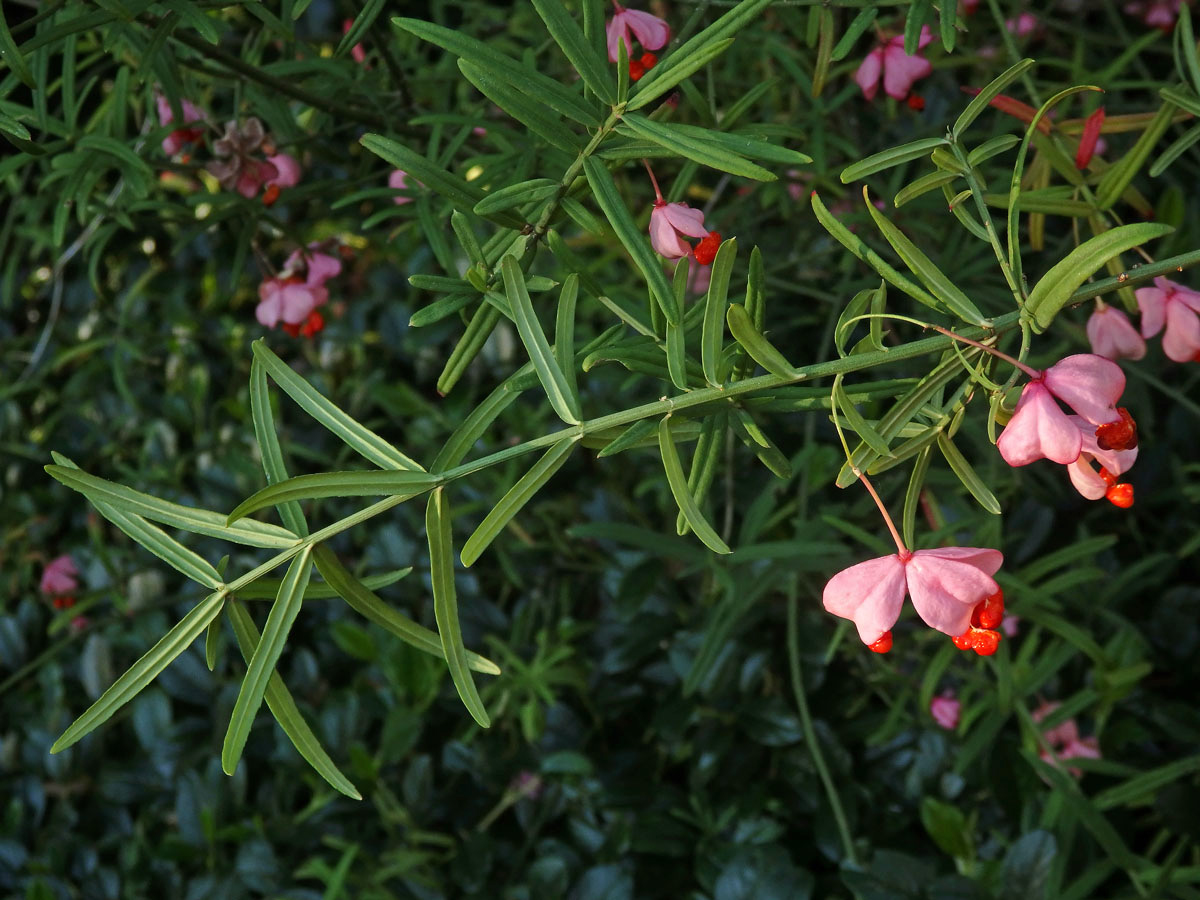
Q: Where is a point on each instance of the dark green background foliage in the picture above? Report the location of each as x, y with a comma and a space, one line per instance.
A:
653, 733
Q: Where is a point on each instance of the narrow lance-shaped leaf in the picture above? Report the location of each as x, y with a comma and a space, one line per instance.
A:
693, 147
262, 665
558, 388
856, 29
461, 194
634, 434
683, 496
515, 499
631, 237
353, 433
360, 597
1053, 291
371, 483
1014, 190
564, 330
445, 604
859, 248
922, 266
200, 521
268, 445
967, 475
479, 329
284, 709
526, 109
554, 94
591, 65
1118, 176
712, 332
697, 51
516, 195
886, 159
981, 100
144, 671
761, 350
858, 424
155, 539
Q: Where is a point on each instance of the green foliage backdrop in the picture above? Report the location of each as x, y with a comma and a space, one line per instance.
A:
578, 649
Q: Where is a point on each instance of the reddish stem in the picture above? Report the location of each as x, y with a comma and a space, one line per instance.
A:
904, 552
658, 197
1032, 373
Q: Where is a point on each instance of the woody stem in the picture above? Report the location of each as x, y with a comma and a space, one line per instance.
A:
1032, 373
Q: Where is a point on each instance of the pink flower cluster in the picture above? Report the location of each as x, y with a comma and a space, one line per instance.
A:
292, 296
651, 32
1100, 432
898, 70
1175, 307
670, 223
60, 581
1065, 740
60, 577
946, 710
950, 588
192, 132
238, 167
1166, 305
1155, 13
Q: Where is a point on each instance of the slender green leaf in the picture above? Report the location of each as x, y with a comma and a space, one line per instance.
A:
912, 496
200, 521
592, 66
479, 329
284, 709
886, 159
1018, 173
534, 83
367, 483
762, 351
268, 445
516, 195
712, 335
356, 436
1177, 148
459, 444
923, 267
635, 243
1142, 788
11, 55
857, 28
461, 194
144, 671
1117, 177
526, 109
696, 52
632, 436
683, 496
266, 654
691, 146
361, 597
967, 475
558, 387
515, 499
859, 248
1053, 291
564, 330
923, 185
865, 431
981, 100
445, 604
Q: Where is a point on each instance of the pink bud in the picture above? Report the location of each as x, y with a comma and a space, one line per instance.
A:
945, 710
1113, 336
